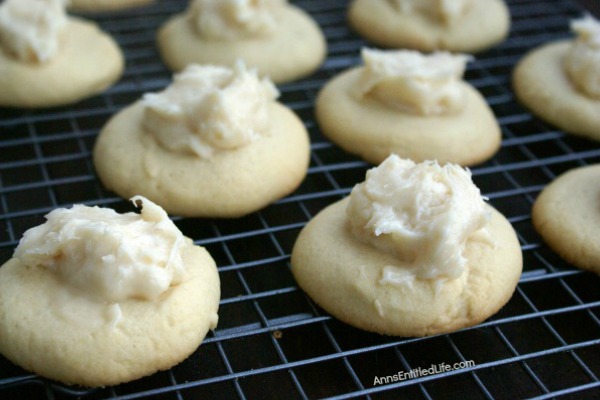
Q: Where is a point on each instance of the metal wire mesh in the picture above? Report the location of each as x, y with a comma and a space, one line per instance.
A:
272, 341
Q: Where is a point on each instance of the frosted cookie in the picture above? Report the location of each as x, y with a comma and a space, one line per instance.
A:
413, 105
413, 251
105, 5
455, 25
49, 59
560, 81
567, 216
96, 298
277, 38
213, 144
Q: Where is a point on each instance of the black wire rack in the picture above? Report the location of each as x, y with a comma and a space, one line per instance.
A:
272, 341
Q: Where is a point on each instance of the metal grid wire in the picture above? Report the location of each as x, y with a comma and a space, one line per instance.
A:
272, 341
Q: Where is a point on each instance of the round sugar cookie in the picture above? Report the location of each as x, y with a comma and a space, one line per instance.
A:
485, 24
373, 131
540, 83
105, 5
88, 61
342, 275
150, 336
231, 183
296, 49
567, 216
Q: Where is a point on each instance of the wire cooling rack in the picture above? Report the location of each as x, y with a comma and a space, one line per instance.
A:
272, 341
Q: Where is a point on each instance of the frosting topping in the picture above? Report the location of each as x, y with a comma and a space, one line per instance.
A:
582, 62
105, 256
413, 82
421, 213
234, 19
445, 11
30, 29
208, 109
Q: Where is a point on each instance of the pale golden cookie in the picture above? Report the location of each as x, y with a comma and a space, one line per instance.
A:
88, 61
485, 24
295, 50
232, 183
342, 274
541, 84
567, 215
151, 335
365, 127
105, 5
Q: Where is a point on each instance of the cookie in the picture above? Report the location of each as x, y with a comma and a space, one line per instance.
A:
287, 46
105, 5
542, 83
413, 291
97, 321
566, 215
458, 26
241, 172
364, 125
84, 62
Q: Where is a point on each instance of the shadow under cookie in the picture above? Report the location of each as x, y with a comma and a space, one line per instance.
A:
105, 5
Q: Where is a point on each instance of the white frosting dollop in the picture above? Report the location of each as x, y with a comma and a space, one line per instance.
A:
234, 19
209, 108
582, 62
421, 213
30, 29
106, 256
445, 11
413, 82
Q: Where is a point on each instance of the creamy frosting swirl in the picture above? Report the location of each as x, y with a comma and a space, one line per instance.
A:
582, 62
413, 82
421, 213
30, 29
208, 109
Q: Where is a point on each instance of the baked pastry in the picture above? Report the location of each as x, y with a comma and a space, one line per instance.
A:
566, 216
214, 144
413, 251
466, 26
96, 298
560, 81
105, 5
49, 59
277, 38
413, 105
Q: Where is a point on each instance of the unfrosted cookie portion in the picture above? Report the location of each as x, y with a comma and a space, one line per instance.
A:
413, 251
96, 298
105, 5
410, 104
213, 144
560, 81
566, 215
277, 38
426, 25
